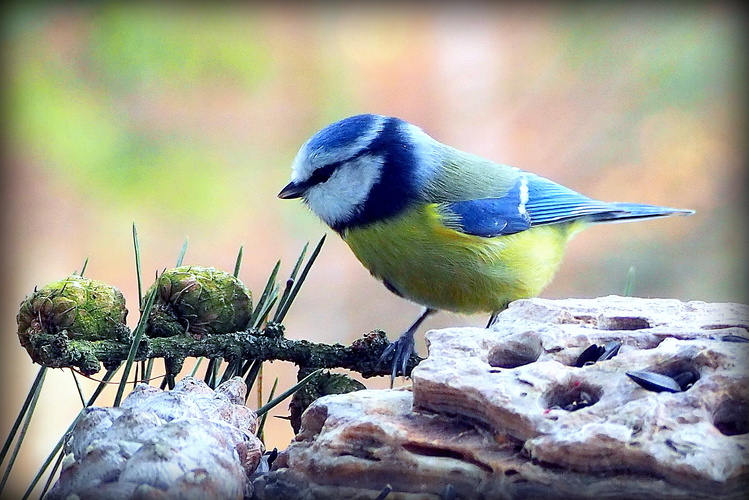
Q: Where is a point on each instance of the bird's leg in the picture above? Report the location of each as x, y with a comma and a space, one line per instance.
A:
402, 348
492, 319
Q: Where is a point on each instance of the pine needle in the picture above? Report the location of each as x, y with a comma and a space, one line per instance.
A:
139, 330
182, 252
36, 387
252, 374
288, 392
197, 364
136, 246
78, 386
283, 308
290, 282
629, 285
269, 294
147, 372
105, 381
83, 269
238, 263
264, 416
21, 436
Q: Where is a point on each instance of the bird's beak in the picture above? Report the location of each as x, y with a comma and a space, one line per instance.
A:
292, 190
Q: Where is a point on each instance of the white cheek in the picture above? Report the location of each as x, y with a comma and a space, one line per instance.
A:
338, 200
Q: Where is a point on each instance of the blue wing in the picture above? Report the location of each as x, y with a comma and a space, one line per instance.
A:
488, 216
535, 201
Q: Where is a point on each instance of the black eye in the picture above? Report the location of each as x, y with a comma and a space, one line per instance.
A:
322, 174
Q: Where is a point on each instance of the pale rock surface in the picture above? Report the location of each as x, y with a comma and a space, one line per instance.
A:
187, 443
485, 419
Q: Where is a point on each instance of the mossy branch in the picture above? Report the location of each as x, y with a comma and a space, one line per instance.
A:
362, 356
79, 323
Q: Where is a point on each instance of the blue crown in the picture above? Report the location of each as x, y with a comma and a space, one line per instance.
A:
341, 133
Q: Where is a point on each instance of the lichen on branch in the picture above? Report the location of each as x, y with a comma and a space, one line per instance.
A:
362, 356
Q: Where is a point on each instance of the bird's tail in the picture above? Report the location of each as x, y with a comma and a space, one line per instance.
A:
622, 212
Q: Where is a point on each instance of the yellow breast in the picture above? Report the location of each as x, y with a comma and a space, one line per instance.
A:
445, 269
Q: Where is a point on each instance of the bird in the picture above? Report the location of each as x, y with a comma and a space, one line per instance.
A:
441, 227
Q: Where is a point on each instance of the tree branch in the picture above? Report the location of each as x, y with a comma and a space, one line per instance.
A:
362, 356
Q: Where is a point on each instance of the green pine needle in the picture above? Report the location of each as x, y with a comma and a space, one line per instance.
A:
170, 379
269, 294
107, 377
197, 364
290, 282
214, 373
629, 285
238, 264
232, 369
288, 392
136, 245
147, 372
252, 373
182, 253
83, 269
139, 330
78, 386
52, 473
266, 310
209, 371
264, 416
36, 387
283, 307
21, 436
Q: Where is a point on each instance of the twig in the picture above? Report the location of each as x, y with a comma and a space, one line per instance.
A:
361, 356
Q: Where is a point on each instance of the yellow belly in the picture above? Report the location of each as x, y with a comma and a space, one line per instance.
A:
441, 268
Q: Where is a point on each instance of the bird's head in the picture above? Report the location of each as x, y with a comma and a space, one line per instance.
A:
361, 169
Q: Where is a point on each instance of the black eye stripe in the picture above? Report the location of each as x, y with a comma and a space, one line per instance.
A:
322, 174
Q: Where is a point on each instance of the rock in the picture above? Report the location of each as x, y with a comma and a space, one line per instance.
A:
191, 442
504, 413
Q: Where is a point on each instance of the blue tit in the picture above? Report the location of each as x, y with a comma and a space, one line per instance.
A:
443, 228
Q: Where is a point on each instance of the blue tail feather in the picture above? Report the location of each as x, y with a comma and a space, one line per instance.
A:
632, 211
552, 203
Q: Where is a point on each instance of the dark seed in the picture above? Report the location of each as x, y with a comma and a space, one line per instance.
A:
582, 401
384, 492
655, 382
685, 379
589, 355
448, 493
734, 338
611, 350
272, 455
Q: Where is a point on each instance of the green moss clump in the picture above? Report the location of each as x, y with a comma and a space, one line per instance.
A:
75, 307
321, 385
196, 301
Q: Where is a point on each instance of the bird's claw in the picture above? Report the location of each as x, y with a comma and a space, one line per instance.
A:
401, 351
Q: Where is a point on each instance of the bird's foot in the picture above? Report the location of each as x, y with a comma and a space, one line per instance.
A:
399, 353
402, 349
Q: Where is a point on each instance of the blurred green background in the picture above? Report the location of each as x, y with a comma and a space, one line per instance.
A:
185, 119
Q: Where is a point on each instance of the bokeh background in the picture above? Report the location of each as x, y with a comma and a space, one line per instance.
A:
184, 120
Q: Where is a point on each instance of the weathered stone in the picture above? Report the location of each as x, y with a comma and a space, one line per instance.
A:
191, 442
504, 413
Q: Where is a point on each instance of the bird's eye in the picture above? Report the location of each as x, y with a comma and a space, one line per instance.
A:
322, 174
